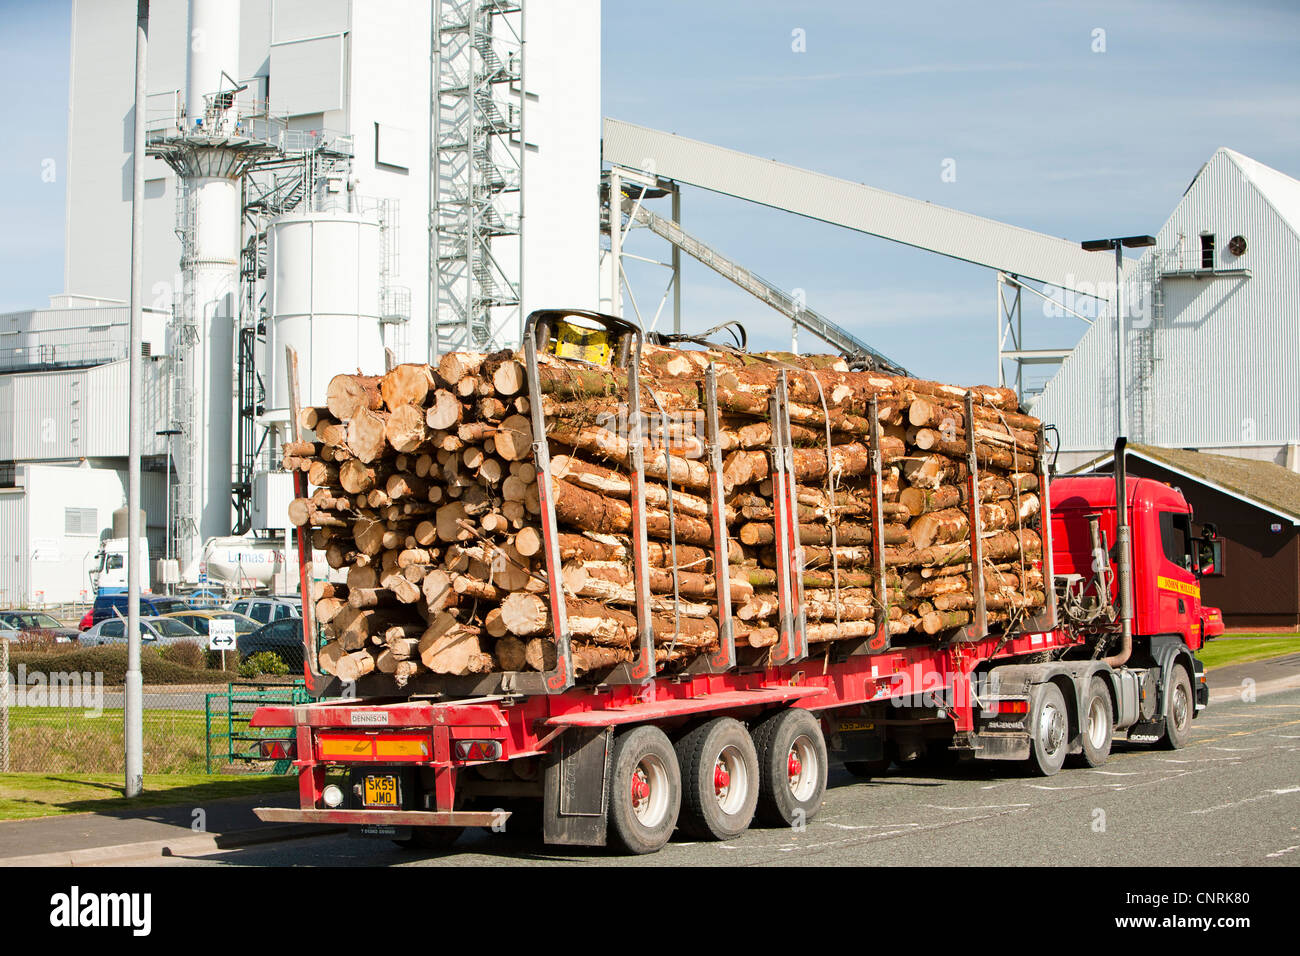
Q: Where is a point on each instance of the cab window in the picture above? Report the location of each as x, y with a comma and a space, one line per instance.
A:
113, 628
1176, 538
260, 612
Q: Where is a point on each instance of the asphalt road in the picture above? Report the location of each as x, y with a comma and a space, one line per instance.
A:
1230, 798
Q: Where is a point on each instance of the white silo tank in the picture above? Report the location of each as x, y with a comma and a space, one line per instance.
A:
322, 299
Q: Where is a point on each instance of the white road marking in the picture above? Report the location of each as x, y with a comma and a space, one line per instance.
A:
1274, 856
870, 826
1237, 803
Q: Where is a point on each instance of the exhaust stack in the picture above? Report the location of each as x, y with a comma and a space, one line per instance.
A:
1123, 543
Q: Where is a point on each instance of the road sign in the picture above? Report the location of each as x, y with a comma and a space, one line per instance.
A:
221, 635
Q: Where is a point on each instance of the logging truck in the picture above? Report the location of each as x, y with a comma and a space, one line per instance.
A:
626, 750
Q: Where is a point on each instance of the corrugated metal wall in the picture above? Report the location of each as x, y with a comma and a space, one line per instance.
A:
14, 571
1225, 360
54, 416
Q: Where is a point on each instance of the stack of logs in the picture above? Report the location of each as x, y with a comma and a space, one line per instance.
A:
426, 506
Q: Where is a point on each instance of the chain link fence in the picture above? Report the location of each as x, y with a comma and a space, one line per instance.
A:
4, 705
62, 706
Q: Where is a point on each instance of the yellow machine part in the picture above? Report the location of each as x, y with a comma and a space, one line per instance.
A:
576, 342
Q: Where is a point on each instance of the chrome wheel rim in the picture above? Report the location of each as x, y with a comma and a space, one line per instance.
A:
649, 791
802, 768
1178, 708
1098, 731
1051, 729
730, 780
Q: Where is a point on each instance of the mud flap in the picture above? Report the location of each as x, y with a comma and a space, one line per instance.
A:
1001, 746
1147, 731
575, 787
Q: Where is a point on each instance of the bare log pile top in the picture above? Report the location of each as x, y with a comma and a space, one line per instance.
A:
426, 499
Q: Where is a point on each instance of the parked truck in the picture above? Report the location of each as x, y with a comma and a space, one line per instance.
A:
740, 736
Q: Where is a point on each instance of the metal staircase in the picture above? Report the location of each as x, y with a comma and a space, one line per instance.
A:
1144, 334
477, 178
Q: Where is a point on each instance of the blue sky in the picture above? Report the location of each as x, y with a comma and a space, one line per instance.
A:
1045, 133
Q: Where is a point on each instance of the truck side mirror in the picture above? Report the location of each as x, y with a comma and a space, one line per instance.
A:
1207, 550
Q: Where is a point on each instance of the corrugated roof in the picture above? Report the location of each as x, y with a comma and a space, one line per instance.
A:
1279, 190
914, 222
1260, 483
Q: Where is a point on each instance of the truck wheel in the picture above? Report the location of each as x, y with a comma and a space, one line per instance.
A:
1049, 729
645, 790
792, 763
719, 779
1098, 726
1178, 711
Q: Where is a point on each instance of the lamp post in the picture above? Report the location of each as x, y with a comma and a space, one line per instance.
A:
1118, 244
133, 696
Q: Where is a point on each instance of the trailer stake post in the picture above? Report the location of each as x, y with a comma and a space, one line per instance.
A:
979, 628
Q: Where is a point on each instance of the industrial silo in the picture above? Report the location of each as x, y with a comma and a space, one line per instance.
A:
323, 300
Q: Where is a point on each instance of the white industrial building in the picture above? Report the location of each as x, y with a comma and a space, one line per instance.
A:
53, 519
63, 442
1212, 337
345, 177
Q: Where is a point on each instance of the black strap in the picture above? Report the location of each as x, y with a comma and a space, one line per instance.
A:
735, 328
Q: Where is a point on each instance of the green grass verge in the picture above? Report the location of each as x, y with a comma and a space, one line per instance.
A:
27, 795
44, 737
1242, 650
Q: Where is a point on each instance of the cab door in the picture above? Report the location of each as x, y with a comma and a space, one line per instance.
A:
1177, 587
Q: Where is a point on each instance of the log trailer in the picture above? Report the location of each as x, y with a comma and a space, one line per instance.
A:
744, 734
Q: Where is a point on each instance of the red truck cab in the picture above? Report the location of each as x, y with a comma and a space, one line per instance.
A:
1166, 573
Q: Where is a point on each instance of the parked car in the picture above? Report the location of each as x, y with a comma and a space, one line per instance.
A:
282, 638
199, 618
37, 623
154, 632
265, 610
114, 605
201, 597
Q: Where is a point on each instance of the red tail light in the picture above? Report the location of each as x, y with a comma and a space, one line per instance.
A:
1008, 707
278, 749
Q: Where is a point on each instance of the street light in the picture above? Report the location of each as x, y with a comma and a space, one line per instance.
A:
1119, 243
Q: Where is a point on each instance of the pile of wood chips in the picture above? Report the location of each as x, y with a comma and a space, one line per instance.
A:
426, 500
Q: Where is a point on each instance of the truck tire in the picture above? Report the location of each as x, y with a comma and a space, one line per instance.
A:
645, 790
1096, 726
1049, 730
720, 779
792, 766
1177, 710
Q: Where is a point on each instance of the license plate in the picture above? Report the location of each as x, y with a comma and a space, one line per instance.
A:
857, 725
380, 791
